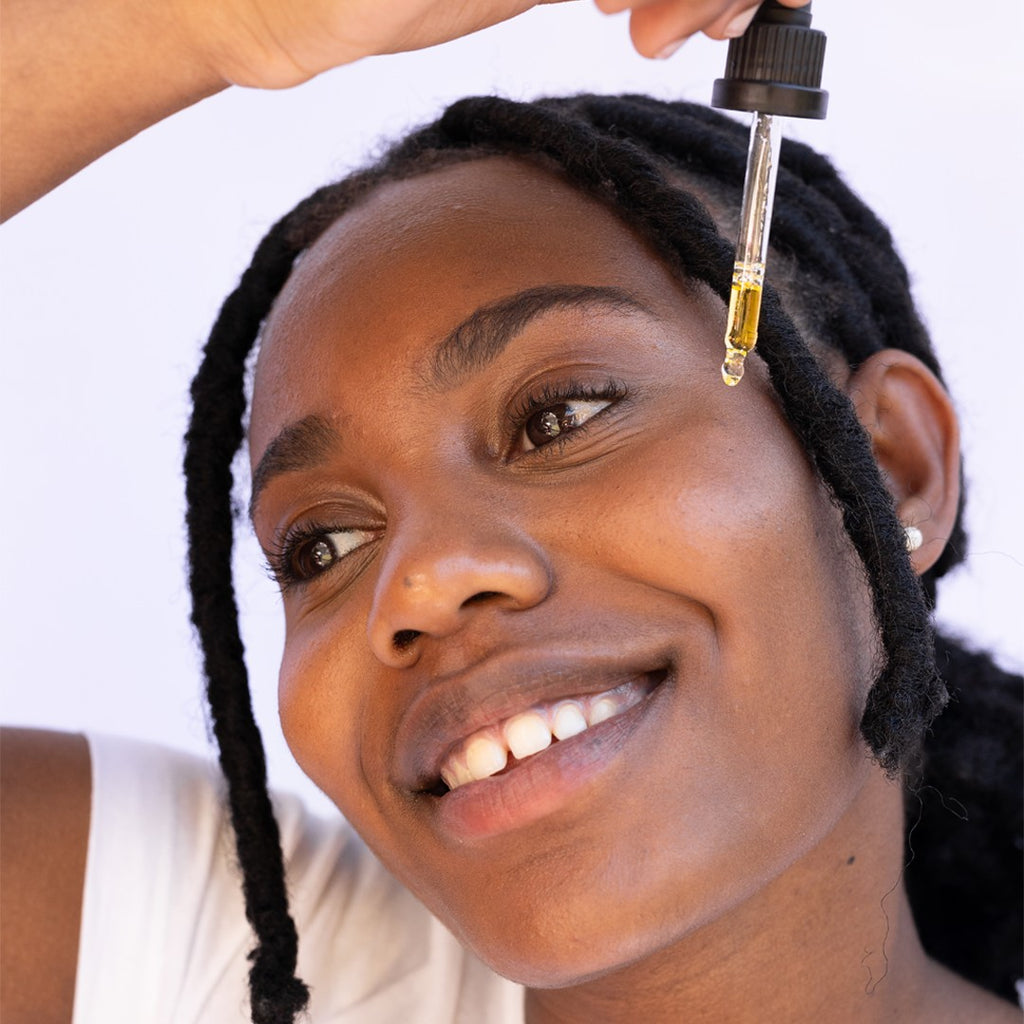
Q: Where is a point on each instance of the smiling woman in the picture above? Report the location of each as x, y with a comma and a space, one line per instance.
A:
623, 673
626, 679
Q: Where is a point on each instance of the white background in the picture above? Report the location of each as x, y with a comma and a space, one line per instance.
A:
110, 284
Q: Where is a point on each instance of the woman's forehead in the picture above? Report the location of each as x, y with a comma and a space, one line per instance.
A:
493, 215
416, 257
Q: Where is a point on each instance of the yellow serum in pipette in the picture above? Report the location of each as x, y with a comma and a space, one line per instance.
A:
744, 313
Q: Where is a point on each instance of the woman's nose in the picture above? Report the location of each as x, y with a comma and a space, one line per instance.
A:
431, 580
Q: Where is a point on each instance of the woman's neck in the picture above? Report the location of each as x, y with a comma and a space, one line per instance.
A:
832, 938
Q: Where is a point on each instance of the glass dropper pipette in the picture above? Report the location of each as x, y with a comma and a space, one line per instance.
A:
752, 246
773, 69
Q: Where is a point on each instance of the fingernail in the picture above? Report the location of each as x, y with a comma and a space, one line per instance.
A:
739, 24
665, 52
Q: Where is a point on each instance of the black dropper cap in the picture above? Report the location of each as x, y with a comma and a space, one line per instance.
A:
775, 66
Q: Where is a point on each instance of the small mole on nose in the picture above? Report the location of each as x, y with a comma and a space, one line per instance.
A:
407, 582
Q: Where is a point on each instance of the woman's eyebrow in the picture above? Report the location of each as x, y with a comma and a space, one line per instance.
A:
301, 445
468, 348
484, 333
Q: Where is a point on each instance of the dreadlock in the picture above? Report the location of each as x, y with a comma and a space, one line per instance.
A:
644, 159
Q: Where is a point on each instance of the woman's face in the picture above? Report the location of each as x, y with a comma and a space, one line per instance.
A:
495, 461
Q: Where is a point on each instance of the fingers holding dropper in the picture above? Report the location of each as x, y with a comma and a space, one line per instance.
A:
659, 27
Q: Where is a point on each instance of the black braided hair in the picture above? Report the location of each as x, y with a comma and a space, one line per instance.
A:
213, 437
644, 159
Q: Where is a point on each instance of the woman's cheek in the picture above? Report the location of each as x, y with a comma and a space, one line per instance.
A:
318, 701
704, 501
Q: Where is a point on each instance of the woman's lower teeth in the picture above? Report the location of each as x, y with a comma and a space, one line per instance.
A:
486, 752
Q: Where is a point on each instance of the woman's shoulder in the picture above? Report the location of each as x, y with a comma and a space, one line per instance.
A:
44, 807
162, 813
163, 891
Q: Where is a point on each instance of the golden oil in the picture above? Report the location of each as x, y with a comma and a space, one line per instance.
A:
741, 332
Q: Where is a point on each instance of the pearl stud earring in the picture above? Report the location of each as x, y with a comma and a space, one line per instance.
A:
912, 538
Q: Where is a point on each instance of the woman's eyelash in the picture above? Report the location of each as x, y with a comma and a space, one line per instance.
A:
307, 551
565, 409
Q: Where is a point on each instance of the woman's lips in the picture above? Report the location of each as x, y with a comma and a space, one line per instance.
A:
446, 711
536, 786
488, 751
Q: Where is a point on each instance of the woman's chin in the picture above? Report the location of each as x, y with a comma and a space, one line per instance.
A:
553, 968
562, 954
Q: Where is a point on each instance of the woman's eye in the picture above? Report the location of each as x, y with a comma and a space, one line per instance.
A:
546, 425
321, 552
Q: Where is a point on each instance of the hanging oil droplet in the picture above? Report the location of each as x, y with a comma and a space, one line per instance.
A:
732, 368
744, 312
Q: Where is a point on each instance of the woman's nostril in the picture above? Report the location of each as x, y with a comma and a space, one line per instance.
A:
404, 639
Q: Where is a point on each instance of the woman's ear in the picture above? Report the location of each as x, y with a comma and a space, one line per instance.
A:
916, 439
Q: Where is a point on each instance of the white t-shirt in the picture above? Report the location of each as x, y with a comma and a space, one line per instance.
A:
164, 936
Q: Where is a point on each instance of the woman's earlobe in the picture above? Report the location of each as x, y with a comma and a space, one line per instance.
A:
916, 439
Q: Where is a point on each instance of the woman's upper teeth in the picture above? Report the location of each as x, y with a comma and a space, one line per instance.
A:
486, 752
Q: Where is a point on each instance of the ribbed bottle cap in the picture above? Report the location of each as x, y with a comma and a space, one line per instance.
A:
775, 66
